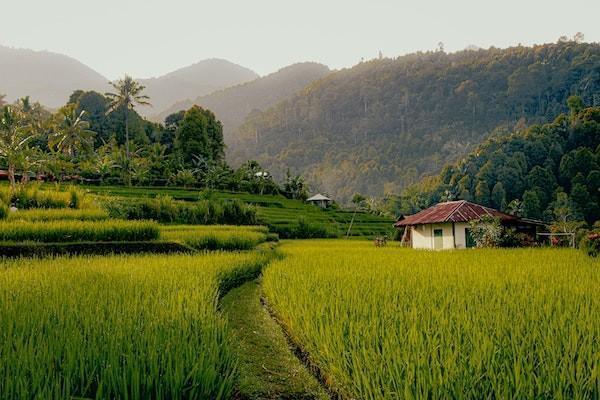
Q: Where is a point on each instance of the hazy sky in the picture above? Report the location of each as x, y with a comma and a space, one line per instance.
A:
151, 37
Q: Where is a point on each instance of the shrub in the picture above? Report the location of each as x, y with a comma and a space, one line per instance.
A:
302, 229
591, 244
165, 209
487, 232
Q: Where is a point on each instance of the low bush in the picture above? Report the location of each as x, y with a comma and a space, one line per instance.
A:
302, 229
591, 244
166, 210
78, 231
44, 215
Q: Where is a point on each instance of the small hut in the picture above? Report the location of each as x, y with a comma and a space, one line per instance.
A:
320, 200
447, 225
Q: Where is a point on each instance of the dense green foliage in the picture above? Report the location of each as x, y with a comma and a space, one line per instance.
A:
199, 137
78, 231
549, 172
166, 210
388, 323
118, 327
379, 126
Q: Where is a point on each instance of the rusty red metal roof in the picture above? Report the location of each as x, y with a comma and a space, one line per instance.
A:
453, 211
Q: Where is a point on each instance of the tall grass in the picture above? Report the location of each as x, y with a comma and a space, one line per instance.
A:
166, 210
45, 215
32, 195
128, 327
216, 237
78, 231
386, 323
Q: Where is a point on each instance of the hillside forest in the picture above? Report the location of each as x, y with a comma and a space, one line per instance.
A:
548, 172
385, 124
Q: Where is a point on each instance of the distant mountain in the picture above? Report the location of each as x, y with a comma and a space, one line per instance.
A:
382, 125
195, 80
47, 77
233, 104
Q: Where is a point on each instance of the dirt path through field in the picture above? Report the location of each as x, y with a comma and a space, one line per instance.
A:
268, 368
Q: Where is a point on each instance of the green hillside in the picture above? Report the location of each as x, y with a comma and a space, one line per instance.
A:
383, 124
549, 172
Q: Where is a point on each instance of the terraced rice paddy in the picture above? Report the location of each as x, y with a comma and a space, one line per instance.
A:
57, 231
133, 327
216, 237
385, 323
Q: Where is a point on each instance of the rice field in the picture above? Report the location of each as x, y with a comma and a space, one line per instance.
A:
387, 323
129, 327
66, 214
58, 231
216, 237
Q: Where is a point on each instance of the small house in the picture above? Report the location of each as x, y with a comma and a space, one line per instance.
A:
320, 200
447, 225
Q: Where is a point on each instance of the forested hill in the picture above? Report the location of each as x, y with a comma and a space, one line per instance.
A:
383, 124
233, 104
549, 172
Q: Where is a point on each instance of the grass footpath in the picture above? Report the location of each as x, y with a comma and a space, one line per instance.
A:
268, 369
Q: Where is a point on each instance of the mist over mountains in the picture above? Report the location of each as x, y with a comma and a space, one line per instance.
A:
234, 104
50, 78
47, 77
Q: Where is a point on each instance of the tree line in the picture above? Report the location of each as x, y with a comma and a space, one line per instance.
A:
548, 172
101, 138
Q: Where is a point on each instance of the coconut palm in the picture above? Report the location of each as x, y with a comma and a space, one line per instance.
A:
15, 133
72, 132
128, 94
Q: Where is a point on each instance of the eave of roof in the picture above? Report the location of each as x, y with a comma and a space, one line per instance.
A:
453, 211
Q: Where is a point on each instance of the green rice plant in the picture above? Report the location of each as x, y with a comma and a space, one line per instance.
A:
216, 237
44, 215
387, 323
32, 195
127, 327
78, 231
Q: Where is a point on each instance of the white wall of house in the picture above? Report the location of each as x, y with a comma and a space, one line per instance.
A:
423, 236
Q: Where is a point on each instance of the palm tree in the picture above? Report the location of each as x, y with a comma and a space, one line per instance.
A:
72, 132
128, 95
15, 133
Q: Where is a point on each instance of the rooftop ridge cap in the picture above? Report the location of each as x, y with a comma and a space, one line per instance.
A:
458, 205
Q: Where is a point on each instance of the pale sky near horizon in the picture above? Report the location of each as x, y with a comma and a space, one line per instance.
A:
147, 38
